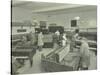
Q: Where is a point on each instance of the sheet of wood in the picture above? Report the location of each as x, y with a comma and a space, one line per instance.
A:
89, 41
90, 48
63, 52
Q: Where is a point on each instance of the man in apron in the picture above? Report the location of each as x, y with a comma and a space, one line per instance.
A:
85, 54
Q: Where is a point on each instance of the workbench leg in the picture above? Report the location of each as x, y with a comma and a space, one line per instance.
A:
21, 61
31, 62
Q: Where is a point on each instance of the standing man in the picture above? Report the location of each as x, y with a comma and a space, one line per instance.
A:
57, 33
40, 41
56, 39
64, 39
75, 37
32, 38
85, 54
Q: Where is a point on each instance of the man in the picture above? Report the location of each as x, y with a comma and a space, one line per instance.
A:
73, 40
32, 38
76, 35
57, 33
56, 39
64, 39
85, 54
40, 41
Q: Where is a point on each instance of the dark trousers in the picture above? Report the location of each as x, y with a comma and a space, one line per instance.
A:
80, 65
40, 48
31, 62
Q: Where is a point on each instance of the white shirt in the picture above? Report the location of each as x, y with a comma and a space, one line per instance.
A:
76, 35
57, 33
64, 40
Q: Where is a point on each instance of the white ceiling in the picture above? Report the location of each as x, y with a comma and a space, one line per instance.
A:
44, 7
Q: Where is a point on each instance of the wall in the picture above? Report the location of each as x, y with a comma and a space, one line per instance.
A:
88, 19
21, 15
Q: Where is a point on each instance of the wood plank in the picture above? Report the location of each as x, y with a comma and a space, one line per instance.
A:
63, 52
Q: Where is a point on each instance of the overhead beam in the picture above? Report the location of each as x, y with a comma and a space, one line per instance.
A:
17, 3
56, 8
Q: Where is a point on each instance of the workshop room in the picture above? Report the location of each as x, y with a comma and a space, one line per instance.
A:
52, 37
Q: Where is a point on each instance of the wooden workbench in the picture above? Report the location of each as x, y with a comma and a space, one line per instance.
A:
60, 60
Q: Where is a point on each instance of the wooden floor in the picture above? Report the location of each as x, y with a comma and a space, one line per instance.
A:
36, 68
